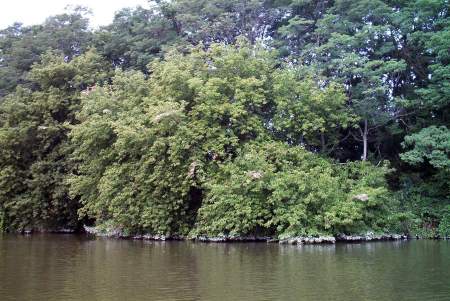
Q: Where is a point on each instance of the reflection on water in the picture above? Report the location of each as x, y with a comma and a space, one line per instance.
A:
65, 267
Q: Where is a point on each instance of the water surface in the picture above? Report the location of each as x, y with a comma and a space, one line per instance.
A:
66, 267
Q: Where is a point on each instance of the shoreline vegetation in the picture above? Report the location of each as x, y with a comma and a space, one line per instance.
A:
300, 240
114, 233
213, 119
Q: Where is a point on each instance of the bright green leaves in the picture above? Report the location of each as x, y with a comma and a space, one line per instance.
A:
307, 114
143, 146
130, 173
78, 74
275, 189
431, 145
152, 152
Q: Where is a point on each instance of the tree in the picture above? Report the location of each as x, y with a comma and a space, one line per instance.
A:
223, 21
136, 37
307, 114
355, 49
297, 28
33, 136
431, 144
202, 85
21, 46
149, 149
143, 146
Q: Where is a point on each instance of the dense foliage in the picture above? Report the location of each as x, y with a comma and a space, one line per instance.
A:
270, 117
276, 189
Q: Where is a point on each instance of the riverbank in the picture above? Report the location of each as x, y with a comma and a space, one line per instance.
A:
298, 240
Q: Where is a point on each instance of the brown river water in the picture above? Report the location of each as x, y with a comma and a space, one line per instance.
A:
70, 267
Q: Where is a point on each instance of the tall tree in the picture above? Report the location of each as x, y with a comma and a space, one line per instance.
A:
33, 139
353, 44
21, 46
224, 21
136, 37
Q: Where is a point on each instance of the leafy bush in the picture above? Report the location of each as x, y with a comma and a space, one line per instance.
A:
276, 189
444, 225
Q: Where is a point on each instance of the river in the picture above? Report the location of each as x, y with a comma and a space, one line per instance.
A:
69, 267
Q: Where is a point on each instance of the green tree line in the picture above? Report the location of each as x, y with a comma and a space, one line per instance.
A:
219, 117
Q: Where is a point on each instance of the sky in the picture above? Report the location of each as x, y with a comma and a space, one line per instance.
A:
31, 12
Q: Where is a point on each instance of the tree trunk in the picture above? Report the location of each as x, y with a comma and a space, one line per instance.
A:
322, 142
364, 138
